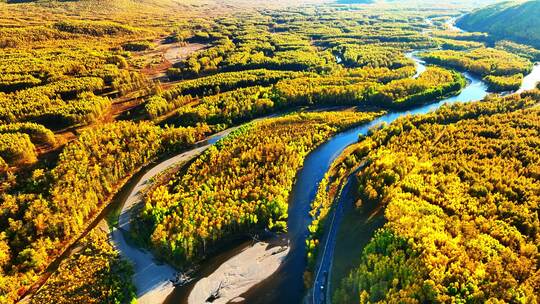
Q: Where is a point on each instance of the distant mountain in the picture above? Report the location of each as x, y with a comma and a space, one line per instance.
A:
518, 21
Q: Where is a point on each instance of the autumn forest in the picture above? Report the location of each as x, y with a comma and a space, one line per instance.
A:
203, 151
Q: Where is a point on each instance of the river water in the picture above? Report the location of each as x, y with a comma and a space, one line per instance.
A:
530, 81
287, 284
343, 243
419, 63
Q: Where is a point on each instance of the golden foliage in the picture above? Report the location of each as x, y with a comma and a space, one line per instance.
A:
461, 198
241, 183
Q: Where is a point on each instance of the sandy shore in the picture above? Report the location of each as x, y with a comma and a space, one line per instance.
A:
150, 277
239, 274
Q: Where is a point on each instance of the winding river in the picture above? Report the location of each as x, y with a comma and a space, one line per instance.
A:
342, 245
286, 285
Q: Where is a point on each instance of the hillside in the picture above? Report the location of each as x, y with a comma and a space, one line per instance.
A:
495, 20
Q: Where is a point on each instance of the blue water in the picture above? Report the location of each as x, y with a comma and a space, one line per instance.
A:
287, 285
419, 63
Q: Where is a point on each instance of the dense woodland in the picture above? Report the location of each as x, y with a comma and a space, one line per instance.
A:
90, 94
57, 88
460, 192
241, 184
96, 274
43, 212
500, 69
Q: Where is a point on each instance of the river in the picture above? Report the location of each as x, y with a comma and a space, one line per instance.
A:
286, 285
451, 25
419, 63
342, 244
531, 81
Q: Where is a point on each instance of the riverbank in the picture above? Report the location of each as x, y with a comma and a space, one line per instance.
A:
336, 237
287, 284
151, 278
356, 227
288, 277
238, 274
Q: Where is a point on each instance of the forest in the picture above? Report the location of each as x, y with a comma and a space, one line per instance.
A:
458, 188
43, 212
501, 70
94, 93
240, 184
494, 20
96, 274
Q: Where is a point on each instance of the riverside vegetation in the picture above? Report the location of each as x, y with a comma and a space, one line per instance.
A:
240, 184
87, 98
460, 211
